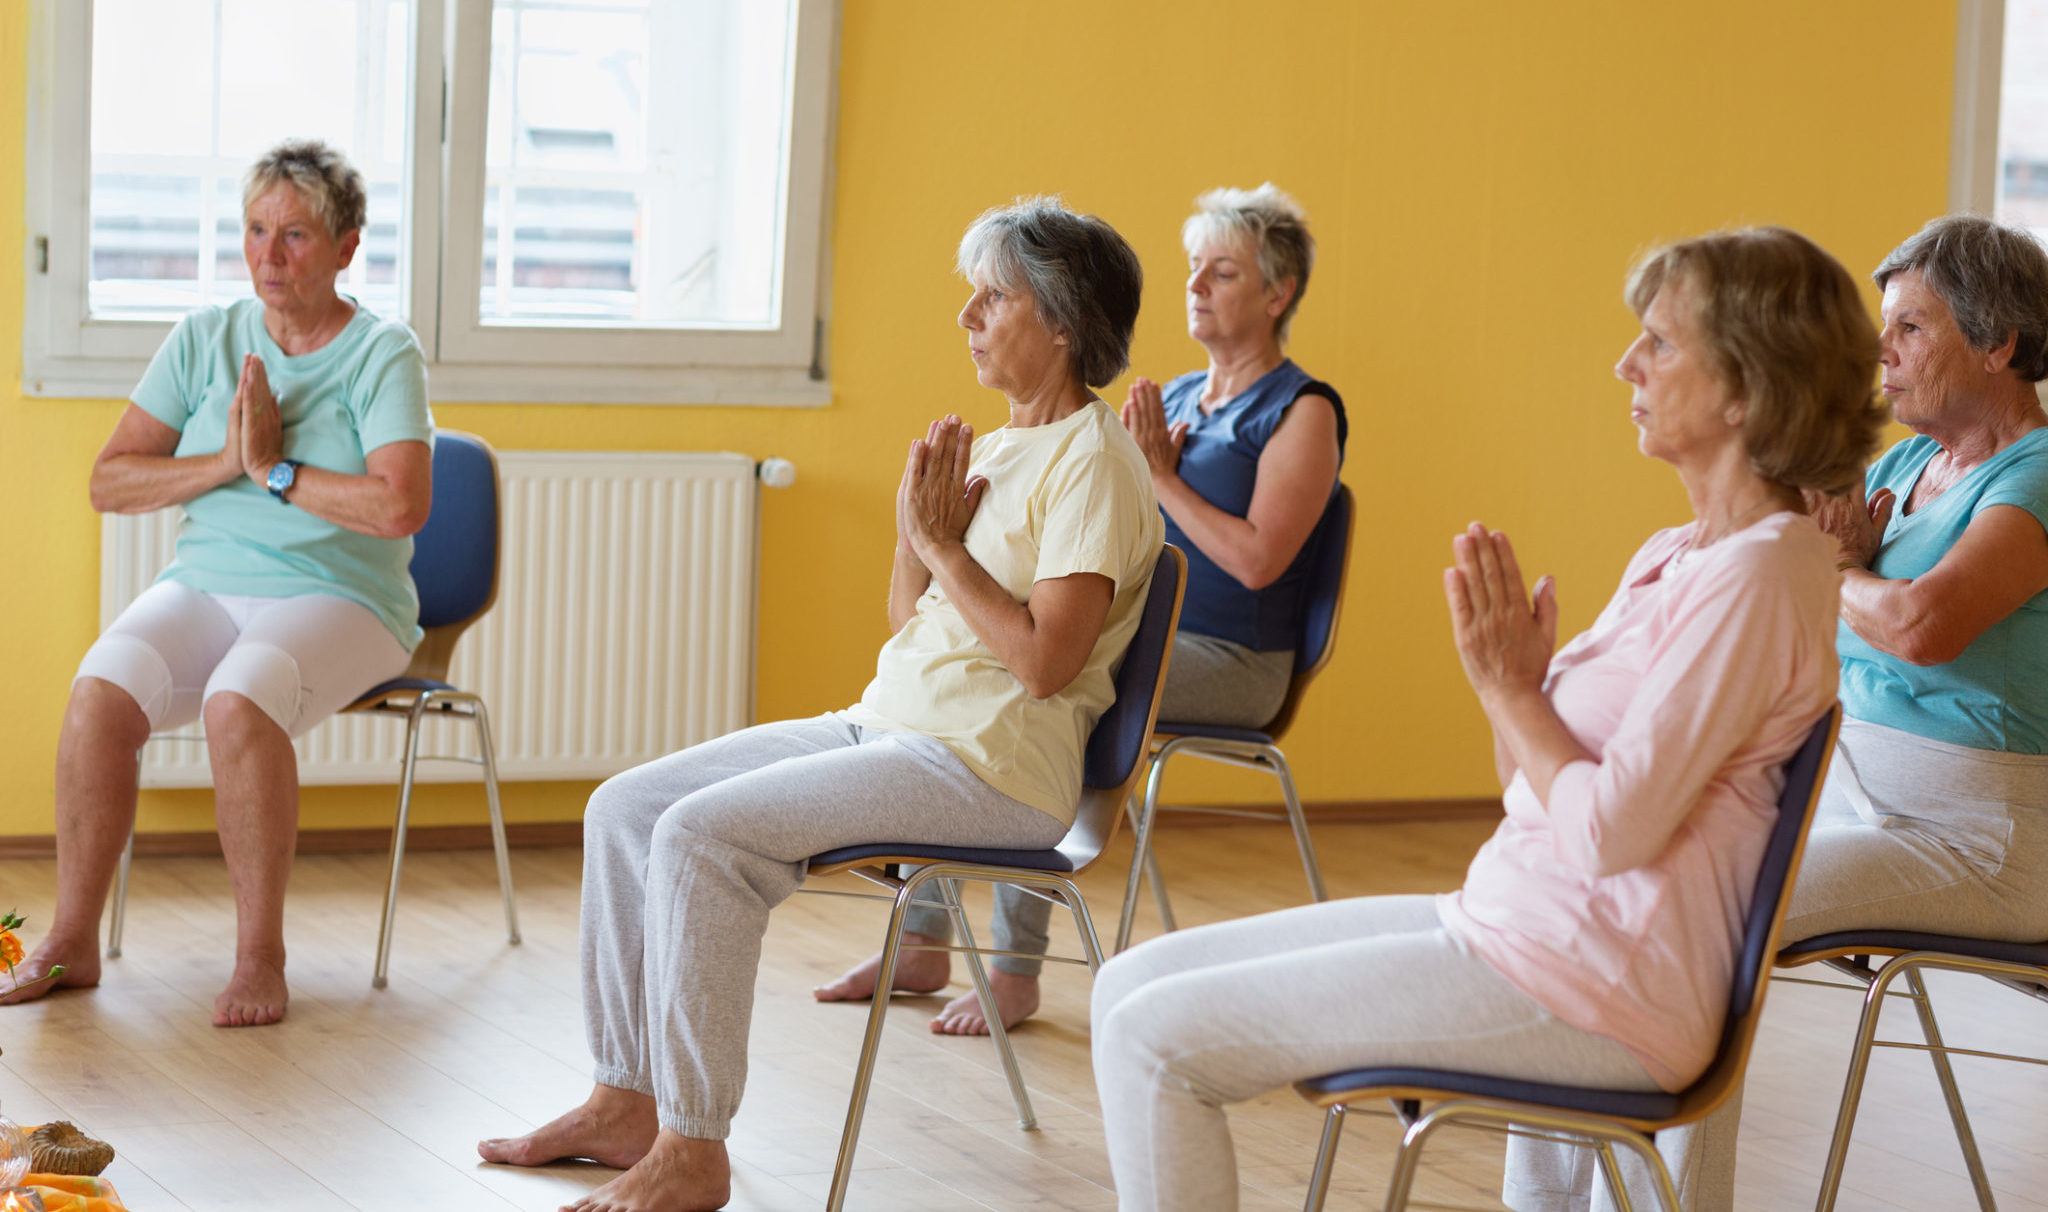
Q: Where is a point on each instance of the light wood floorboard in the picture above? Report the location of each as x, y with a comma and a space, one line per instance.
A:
374, 1099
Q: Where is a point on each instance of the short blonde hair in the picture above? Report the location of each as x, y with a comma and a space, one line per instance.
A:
331, 186
1789, 333
1272, 223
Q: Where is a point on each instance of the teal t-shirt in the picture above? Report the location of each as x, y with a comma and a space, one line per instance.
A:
362, 390
1995, 695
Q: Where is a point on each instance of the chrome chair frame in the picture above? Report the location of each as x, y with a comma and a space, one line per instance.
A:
420, 690
1248, 749
1850, 953
1627, 1118
1095, 825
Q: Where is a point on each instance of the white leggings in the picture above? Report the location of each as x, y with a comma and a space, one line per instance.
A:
299, 659
1196, 1019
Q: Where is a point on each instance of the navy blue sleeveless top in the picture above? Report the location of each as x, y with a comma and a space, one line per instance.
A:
1220, 461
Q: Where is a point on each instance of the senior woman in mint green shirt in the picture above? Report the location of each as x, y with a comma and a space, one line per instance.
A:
293, 428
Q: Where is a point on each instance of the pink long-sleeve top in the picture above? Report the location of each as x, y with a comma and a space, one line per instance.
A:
1618, 905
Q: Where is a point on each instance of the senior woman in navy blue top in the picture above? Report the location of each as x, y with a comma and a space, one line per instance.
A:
1244, 458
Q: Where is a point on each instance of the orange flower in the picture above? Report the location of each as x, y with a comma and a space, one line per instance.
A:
10, 949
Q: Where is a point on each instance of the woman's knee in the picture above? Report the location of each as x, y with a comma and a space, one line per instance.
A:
254, 684
101, 709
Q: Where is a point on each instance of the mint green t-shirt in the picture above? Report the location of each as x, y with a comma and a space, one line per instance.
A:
1995, 695
362, 390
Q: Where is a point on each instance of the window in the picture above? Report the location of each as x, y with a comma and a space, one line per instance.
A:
2023, 116
588, 200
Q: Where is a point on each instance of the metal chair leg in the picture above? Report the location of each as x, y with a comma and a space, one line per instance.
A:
412, 748
490, 761
1610, 1169
870, 1044
1027, 1120
1852, 1087
1299, 822
1942, 1072
120, 896
1141, 858
1326, 1160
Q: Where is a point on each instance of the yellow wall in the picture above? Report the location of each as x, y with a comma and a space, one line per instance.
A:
1479, 174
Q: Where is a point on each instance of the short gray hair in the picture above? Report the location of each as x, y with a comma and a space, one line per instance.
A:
1085, 278
331, 186
1272, 223
1994, 278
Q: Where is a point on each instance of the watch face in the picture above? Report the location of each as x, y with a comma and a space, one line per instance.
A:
280, 477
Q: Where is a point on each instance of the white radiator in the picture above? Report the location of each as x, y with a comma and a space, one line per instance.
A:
623, 630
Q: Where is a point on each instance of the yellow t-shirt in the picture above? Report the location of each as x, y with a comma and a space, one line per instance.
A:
1073, 496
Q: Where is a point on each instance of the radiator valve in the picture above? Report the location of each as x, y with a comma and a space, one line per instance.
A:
776, 473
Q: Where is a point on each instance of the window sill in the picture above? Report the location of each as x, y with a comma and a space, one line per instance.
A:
113, 379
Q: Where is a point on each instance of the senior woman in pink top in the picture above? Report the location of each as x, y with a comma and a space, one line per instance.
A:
1594, 940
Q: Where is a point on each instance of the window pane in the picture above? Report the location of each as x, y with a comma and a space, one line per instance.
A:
619, 195
2023, 116
187, 93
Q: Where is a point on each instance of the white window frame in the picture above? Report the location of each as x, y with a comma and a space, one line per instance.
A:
1973, 141
66, 354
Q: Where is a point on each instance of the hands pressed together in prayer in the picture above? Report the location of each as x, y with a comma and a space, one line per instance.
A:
1857, 526
255, 437
1504, 640
1144, 416
937, 498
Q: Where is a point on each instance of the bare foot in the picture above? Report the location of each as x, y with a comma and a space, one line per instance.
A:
916, 972
81, 961
679, 1174
1016, 996
613, 1128
255, 995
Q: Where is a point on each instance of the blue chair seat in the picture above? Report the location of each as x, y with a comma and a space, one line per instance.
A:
1619, 1104
1022, 860
1857, 942
1214, 732
399, 686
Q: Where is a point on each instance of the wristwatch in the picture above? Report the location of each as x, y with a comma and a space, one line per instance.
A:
282, 474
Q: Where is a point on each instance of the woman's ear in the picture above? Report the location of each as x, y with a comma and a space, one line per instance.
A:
1279, 296
1999, 357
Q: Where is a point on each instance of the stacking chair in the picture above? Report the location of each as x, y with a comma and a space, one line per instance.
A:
2020, 966
455, 569
1601, 1118
1329, 545
1111, 766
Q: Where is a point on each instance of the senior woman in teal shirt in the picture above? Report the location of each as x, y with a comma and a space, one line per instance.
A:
293, 428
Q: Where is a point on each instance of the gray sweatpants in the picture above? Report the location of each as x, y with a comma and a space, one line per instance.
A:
684, 857
1909, 834
1196, 1019
1210, 681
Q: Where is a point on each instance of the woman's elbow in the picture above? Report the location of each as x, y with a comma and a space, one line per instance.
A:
1925, 644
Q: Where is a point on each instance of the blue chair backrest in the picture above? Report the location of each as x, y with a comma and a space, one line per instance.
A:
1329, 544
455, 555
1120, 736
1753, 962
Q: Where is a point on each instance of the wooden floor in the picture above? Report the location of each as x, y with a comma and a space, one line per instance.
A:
365, 1099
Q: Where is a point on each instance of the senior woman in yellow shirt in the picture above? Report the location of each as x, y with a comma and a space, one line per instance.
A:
1022, 563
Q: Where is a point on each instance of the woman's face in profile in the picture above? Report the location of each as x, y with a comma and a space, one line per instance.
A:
1928, 364
1680, 406
1226, 297
1013, 353
293, 259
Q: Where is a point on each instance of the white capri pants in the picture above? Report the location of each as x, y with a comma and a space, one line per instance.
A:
300, 659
